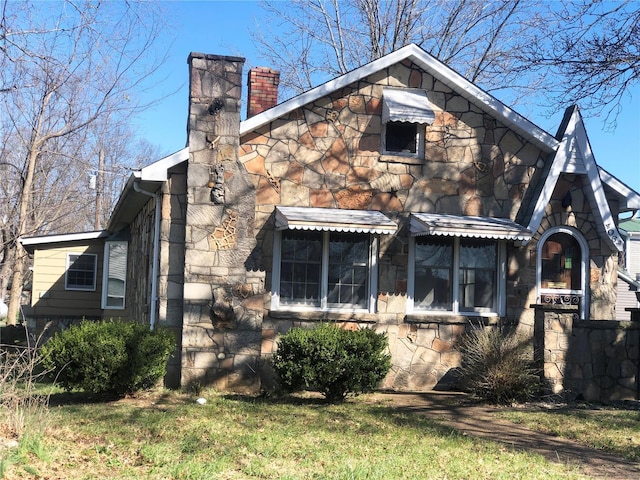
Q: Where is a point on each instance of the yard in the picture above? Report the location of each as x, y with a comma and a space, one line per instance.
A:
168, 435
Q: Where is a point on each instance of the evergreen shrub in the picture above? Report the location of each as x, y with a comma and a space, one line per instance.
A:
108, 356
497, 366
331, 360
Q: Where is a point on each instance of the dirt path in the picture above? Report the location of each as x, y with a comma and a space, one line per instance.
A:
480, 421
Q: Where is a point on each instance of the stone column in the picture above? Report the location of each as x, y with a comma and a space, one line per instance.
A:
221, 325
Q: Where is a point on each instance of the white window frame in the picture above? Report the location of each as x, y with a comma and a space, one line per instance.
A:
500, 282
420, 139
91, 288
105, 277
584, 257
372, 277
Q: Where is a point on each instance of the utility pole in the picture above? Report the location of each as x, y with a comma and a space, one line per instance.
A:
99, 188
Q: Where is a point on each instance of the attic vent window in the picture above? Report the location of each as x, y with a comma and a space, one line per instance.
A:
405, 112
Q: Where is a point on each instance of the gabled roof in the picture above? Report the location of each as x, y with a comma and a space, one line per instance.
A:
574, 155
629, 199
147, 179
428, 63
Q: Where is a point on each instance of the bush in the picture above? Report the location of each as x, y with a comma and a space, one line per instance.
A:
108, 357
332, 361
497, 366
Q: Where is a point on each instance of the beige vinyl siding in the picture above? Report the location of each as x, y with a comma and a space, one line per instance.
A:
49, 296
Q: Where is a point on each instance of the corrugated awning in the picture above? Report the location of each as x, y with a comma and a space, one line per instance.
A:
467, 226
333, 219
406, 105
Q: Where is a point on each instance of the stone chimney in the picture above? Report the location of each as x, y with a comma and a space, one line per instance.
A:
262, 91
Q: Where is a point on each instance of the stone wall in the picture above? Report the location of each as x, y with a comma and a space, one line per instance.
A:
327, 154
593, 360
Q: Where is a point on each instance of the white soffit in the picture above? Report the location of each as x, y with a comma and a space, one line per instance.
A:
333, 219
63, 237
430, 64
406, 105
467, 226
157, 171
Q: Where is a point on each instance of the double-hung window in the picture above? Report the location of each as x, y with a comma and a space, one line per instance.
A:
326, 259
457, 264
457, 275
324, 270
81, 271
114, 275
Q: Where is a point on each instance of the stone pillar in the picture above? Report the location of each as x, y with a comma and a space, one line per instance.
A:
222, 320
553, 327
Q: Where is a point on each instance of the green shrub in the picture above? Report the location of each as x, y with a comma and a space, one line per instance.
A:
108, 357
331, 360
497, 366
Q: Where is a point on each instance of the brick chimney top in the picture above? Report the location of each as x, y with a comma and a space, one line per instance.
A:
262, 91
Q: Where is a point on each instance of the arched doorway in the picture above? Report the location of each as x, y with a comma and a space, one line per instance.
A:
561, 268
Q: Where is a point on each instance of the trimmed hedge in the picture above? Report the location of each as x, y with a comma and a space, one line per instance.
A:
108, 356
331, 360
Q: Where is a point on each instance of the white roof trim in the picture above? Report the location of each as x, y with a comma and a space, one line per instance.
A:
430, 64
64, 237
574, 155
333, 219
406, 105
631, 197
157, 171
466, 226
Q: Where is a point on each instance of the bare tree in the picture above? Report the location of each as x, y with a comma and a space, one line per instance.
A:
70, 74
592, 50
582, 52
321, 39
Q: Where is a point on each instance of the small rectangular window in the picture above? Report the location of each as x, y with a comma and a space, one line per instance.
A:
401, 137
81, 271
115, 275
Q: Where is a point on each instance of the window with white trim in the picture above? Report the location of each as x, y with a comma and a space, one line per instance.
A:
114, 275
405, 114
403, 138
324, 270
81, 271
456, 275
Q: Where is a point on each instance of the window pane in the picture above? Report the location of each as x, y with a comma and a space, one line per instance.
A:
561, 262
348, 270
81, 272
433, 274
477, 274
116, 274
401, 137
300, 268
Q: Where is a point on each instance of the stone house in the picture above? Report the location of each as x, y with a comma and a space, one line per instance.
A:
399, 197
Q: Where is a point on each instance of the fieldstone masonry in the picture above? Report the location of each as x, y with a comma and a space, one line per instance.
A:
328, 154
221, 333
596, 360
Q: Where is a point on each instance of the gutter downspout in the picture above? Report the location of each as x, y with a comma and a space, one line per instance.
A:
156, 253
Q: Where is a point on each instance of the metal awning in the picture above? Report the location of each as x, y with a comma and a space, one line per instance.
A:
467, 226
333, 219
406, 105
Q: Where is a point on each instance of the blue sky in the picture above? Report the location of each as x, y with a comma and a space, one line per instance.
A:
223, 27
